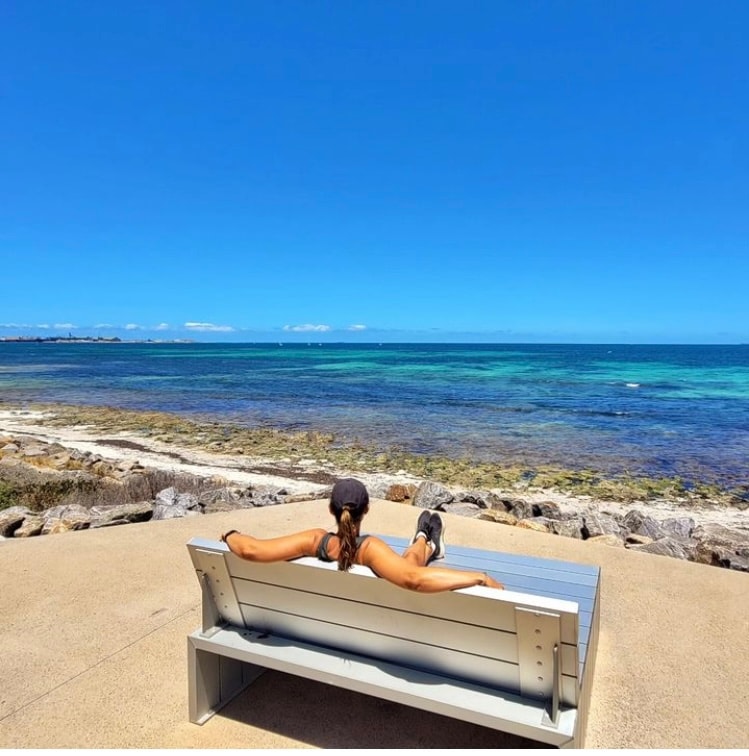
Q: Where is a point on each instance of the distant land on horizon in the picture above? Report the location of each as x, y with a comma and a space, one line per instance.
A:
70, 339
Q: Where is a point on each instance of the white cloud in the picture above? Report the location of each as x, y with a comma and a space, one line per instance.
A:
69, 326
162, 327
133, 327
306, 328
208, 327
357, 327
43, 325
100, 325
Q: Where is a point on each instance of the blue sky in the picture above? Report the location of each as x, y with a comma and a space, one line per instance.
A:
401, 171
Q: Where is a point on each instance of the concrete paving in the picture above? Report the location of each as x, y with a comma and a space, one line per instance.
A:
93, 629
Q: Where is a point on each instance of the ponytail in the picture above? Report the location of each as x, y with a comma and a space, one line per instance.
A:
347, 532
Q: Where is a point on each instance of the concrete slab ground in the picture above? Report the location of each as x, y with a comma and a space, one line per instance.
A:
93, 630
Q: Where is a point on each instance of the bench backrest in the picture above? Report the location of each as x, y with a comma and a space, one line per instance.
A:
503, 639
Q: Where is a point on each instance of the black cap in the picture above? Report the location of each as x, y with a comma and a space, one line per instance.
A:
349, 491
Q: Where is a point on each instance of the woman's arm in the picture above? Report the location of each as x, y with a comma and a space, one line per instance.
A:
385, 563
279, 549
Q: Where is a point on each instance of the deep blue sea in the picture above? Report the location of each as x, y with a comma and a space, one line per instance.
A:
648, 410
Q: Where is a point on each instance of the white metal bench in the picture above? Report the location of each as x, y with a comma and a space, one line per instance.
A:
519, 660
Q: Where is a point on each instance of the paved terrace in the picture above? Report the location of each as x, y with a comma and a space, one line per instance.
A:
93, 627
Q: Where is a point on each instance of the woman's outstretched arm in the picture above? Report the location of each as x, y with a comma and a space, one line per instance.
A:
279, 549
385, 563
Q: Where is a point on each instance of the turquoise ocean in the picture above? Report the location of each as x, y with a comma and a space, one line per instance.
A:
651, 410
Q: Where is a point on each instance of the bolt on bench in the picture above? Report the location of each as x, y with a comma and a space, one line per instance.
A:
520, 660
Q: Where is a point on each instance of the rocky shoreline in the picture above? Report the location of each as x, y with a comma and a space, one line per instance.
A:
58, 476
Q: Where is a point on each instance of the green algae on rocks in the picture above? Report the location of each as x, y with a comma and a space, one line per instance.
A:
271, 446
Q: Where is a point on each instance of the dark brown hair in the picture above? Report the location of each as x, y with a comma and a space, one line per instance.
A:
349, 502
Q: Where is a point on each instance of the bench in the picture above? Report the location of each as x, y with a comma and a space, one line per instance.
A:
520, 660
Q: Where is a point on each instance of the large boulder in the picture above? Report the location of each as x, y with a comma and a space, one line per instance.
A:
430, 495
599, 524
11, 519
722, 546
106, 515
642, 524
666, 547
680, 528
65, 517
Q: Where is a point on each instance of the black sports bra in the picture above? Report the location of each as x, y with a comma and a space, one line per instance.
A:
322, 549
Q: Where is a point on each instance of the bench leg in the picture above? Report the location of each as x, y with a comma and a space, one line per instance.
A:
214, 680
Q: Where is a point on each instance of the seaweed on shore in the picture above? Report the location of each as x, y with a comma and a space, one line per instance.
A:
273, 447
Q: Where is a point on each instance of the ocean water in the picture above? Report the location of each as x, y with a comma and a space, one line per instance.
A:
647, 410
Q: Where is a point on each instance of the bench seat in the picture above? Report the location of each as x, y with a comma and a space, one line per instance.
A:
520, 660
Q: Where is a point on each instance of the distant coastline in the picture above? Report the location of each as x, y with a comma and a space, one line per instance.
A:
88, 340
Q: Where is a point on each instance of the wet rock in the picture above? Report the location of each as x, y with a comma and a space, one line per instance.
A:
430, 495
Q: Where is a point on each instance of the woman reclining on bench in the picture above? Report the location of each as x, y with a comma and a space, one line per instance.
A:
349, 502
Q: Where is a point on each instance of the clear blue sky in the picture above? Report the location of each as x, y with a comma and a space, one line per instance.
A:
353, 170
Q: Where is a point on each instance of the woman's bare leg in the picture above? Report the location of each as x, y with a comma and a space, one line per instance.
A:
418, 552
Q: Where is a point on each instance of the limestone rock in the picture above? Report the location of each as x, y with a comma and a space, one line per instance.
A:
104, 515
641, 524
11, 519
482, 499
267, 496
31, 526
540, 524
430, 495
570, 528
548, 509
722, 546
463, 508
666, 547
678, 527
170, 505
498, 515
600, 524
609, 539
400, 492
63, 518
522, 509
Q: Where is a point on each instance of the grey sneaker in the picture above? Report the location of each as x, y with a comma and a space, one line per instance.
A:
423, 526
437, 532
